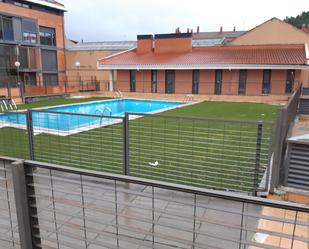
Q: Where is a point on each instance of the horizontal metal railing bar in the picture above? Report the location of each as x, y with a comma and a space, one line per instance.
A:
193, 157
79, 154
224, 143
170, 238
221, 151
200, 219
198, 130
99, 161
76, 114
199, 118
183, 133
171, 186
87, 184
203, 164
195, 172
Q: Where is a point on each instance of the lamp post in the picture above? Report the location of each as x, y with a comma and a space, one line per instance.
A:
77, 64
19, 83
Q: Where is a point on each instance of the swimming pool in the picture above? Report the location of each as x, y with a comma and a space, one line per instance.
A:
69, 119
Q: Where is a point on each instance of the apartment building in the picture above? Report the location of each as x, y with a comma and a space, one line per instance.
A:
32, 48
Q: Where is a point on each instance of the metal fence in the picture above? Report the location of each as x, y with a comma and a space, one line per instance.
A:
61, 207
285, 118
9, 236
212, 153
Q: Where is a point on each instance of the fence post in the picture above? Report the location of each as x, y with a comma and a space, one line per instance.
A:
126, 160
30, 134
257, 158
26, 211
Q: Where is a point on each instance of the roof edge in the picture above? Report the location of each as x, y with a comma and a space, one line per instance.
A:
48, 4
201, 66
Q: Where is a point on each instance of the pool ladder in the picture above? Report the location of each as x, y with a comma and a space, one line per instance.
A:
117, 94
101, 113
188, 98
7, 105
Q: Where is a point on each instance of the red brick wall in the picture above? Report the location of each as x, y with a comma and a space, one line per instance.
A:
230, 82
278, 79
183, 81
123, 81
161, 81
143, 80
207, 79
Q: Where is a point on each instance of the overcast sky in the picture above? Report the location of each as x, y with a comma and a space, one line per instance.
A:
99, 20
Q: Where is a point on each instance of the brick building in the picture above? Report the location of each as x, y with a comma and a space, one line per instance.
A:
32, 33
168, 63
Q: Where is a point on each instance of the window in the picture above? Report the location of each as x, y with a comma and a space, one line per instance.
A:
23, 57
47, 36
132, 81
30, 31
289, 85
154, 81
195, 81
49, 60
22, 5
8, 33
50, 79
266, 81
29, 37
242, 82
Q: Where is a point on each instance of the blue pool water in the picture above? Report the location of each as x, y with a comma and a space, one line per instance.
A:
66, 122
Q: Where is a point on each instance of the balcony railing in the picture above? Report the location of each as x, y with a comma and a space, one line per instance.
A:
50, 206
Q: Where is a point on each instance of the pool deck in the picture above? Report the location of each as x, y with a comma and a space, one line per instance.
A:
270, 99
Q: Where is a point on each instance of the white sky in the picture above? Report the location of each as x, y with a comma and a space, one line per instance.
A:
99, 20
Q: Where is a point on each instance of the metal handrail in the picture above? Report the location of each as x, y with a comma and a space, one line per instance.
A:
176, 187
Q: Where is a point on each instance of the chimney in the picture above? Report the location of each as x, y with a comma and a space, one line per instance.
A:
191, 31
144, 44
177, 30
234, 29
173, 43
198, 29
221, 29
188, 30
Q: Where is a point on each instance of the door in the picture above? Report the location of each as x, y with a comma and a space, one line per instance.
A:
170, 81
242, 82
218, 82
289, 85
154, 75
195, 81
132, 81
266, 81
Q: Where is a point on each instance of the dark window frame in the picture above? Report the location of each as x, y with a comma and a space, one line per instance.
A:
245, 74
45, 35
218, 83
290, 77
167, 72
195, 81
266, 83
133, 81
50, 82
154, 81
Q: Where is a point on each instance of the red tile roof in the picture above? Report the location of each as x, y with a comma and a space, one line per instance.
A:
218, 55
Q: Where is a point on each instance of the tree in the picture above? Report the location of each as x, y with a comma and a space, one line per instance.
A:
299, 20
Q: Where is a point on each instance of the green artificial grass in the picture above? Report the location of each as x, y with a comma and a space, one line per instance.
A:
213, 154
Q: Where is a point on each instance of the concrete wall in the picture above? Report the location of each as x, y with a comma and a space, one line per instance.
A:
183, 81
